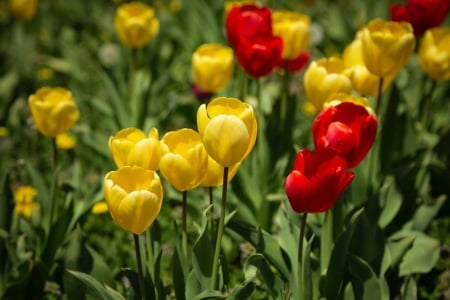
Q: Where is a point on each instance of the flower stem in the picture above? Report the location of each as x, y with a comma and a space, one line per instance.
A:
139, 265
215, 268
211, 213
379, 96
150, 257
425, 105
184, 223
300, 254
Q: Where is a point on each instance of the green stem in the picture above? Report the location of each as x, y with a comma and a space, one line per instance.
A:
300, 255
139, 265
150, 257
184, 223
379, 97
425, 106
132, 87
211, 204
215, 268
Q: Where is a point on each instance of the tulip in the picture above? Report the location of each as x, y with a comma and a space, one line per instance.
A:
65, 141
214, 173
293, 28
184, 160
136, 24
23, 9
248, 20
228, 128
212, 66
347, 129
434, 53
325, 77
363, 81
316, 181
386, 46
54, 110
421, 14
130, 146
259, 56
134, 197
296, 64
25, 201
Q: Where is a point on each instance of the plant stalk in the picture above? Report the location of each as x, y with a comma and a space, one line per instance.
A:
300, 255
139, 265
184, 223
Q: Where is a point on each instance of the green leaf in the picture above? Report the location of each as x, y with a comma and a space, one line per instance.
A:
409, 289
243, 291
422, 256
398, 245
426, 213
209, 295
364, 281
272, 280
94, 288
390, 201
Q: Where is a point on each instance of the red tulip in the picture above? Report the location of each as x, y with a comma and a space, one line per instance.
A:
348, 129
248, 20
422, 14
260, 55
316, 181
295, 64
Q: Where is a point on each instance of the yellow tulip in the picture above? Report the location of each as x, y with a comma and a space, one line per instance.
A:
65, 141
325, 77
134, 197
386, 46
130, 146
434, 53
214, 173
342, 97
212, 66
136, 24
184, 159
293, 28
363, 81
23, 9
54, 110
228, 129
25, 201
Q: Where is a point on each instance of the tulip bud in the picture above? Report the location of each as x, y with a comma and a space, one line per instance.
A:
131, 147
434, 53
316, 181
134, 196
136, 24
184, 159
212, 66
325, 77
386, 46
228, 128
54, 110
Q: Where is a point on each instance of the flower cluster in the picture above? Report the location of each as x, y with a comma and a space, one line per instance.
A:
186, 159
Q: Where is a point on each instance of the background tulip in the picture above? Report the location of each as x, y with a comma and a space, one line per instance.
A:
325, 77
134, 196
23, 9
347, 129
228, 128
136, 24
130, 146
54, 110
421, 14
293, 28
184, 159
434, 53
212, 66
248, 20
214, 173
386, 46
316, 181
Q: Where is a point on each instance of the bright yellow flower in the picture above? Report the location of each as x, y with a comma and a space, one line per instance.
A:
4, 131
212, 66
228, 129
386, 46
325, 77
136, 24
363, 81
54, 110
99, 208
342, 97
434, 53
23, 9
214, 173
184, 160
293, 28
134, 196
65, 141
25, 201
130, 146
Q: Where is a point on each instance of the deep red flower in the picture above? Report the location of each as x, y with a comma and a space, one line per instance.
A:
247, 20
295, 64
316, 181
260, 55
348, 129
422, 14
